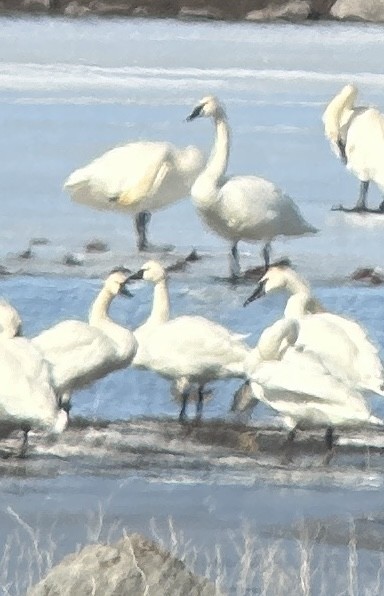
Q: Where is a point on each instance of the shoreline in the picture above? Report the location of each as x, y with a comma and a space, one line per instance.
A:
252, 11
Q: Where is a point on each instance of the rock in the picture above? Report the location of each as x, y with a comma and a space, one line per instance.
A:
72, 260
74, 9
133, 566
370, 275
40, 241
295, 10
36, 5
209, 13
360, 10
96, 245
110, 9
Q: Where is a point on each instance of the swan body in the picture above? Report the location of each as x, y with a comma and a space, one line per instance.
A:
246, 208
81, 353
135, 178
342, 344
356, 135
186, 349
298, 386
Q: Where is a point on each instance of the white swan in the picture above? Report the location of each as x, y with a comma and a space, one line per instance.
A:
244, 208
342, 344
299, 387
356, 135
79, 352
27, 397
10, 321
137, 178
186, 349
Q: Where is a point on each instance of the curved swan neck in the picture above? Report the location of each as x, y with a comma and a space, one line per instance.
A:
100, 307
160, 307
276, 339
218, 159
296, 284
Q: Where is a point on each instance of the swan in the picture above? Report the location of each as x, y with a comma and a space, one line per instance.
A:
187, 349
27, 397
342, 344
245, 208
137, 178
356, 135
81, 353
299, 387
10, 321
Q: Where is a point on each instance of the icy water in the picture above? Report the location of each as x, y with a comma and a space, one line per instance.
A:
69, 90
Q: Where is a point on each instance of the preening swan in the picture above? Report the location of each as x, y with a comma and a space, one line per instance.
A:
137, 178
79, 352
186, 349
244, 208
342, 344
299, 387
27, 397
356, 135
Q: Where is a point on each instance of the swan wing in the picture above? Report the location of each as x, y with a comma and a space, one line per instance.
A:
124, 174
79, 354
26, 394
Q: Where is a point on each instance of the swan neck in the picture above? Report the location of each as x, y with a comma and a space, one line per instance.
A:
296, 285
218, 159
160, 307
100, 307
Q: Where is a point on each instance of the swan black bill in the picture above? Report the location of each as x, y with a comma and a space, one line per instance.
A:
258, 293
195, 114
125, 292
138, 275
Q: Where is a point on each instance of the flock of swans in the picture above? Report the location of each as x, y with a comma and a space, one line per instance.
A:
312, 367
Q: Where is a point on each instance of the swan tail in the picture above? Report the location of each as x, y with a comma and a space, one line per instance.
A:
344, 100
77, 179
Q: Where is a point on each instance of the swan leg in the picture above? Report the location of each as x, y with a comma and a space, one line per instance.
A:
142, 220
361, 204
184, 397
200, 403
234, 261
24, 445
267, 255
330, 445
288, 447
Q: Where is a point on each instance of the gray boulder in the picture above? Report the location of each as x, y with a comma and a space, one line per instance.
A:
361, 10
295, 10
133, 566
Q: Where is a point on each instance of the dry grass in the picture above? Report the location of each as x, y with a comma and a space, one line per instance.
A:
245, 565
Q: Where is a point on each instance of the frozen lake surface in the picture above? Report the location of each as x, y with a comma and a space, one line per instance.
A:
69, 90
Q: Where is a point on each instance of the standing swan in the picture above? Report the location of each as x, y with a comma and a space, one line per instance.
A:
27, 397
299, 387
79, 352
186, 349
356, 135
342, 344
137, 178
244, 208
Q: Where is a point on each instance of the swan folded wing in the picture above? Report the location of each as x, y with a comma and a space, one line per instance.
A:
187, 345
123, 175
78, 353
26, 394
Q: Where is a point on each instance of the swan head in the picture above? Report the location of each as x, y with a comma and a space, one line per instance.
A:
151, 271
274, 279
208, 107
116, 282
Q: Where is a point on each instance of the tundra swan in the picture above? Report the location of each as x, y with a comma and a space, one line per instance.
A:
186, 349
299, 387
27, 397
81, 353
137, 178
10, 321
356, 135
245, 208
341, 343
